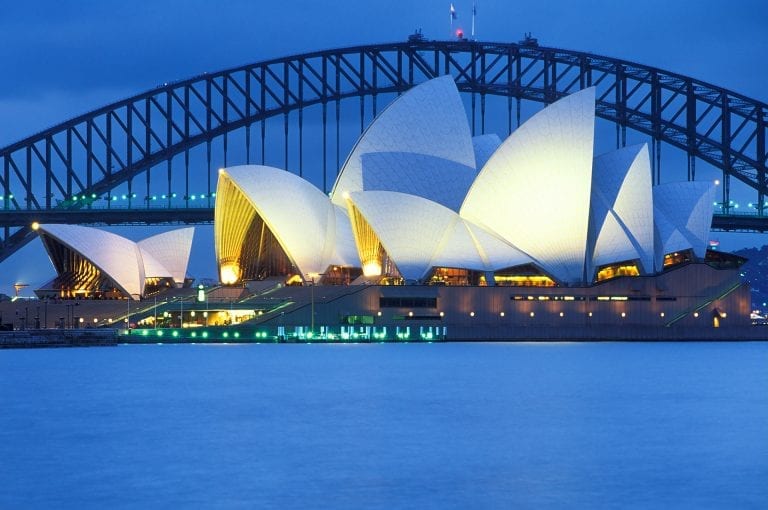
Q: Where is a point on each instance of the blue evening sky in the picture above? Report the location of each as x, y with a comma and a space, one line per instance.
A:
62, 58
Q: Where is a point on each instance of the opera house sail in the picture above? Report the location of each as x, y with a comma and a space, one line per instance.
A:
94, 263
420, 201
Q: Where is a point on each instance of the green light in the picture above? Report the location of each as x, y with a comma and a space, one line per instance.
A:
74, 199
237, 335
175, 334
144, 332
93, 195
124, 197
114, 198
163, 197
225, 335
193, 197
202, 196
82, 198
154, 197
213, 195
160, 333
173, 195
10, 197
194, 334
205, 334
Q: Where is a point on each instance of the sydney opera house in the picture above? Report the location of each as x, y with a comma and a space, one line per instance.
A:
428, 225
94, 263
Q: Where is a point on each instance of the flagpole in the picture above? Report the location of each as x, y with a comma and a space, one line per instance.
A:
450, 15
474, 11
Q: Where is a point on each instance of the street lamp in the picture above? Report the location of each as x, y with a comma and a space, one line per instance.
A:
312, 300
128, 317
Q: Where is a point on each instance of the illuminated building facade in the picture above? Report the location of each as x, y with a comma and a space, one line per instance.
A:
94, 263
419, 200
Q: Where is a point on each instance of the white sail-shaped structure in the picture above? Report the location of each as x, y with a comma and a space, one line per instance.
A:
422, 134
436, 236
621, 220
170, 251
88, 260
419, 193
534, 191
683, 212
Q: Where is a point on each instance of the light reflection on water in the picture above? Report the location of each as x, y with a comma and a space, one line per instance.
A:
384, 426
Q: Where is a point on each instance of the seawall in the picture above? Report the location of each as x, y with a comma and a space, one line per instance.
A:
58, 338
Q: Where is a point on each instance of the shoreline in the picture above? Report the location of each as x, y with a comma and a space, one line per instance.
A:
42, 338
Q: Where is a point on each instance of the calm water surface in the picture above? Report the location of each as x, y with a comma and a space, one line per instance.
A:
611, 425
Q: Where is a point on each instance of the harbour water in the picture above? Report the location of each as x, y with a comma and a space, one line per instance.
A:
485, 425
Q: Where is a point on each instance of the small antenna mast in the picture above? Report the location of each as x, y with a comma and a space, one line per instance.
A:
453, 17
474, 13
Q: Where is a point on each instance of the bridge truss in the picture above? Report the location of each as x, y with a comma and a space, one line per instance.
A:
153, 158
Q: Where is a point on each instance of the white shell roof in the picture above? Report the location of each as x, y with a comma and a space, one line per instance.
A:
437, 179
153, 267
170, 250
535, 190
429, 119
484, 147
117, 257
299, 215
419, 234
621, 216
345, 253
683, 211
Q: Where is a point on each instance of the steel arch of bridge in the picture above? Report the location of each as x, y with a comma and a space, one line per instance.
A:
91, 155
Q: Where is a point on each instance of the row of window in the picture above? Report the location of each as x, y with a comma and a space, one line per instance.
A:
431, 302
523, 297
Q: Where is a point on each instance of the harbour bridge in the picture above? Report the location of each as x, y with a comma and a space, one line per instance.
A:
153, 158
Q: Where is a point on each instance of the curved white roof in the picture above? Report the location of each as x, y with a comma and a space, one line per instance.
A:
153, 267
429, 119
419, 234
411, 247
535, 189
484, 147
299, 215
437, 179
345, 253
497, 253
683, 213
621, 219
171, 251
117, 257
